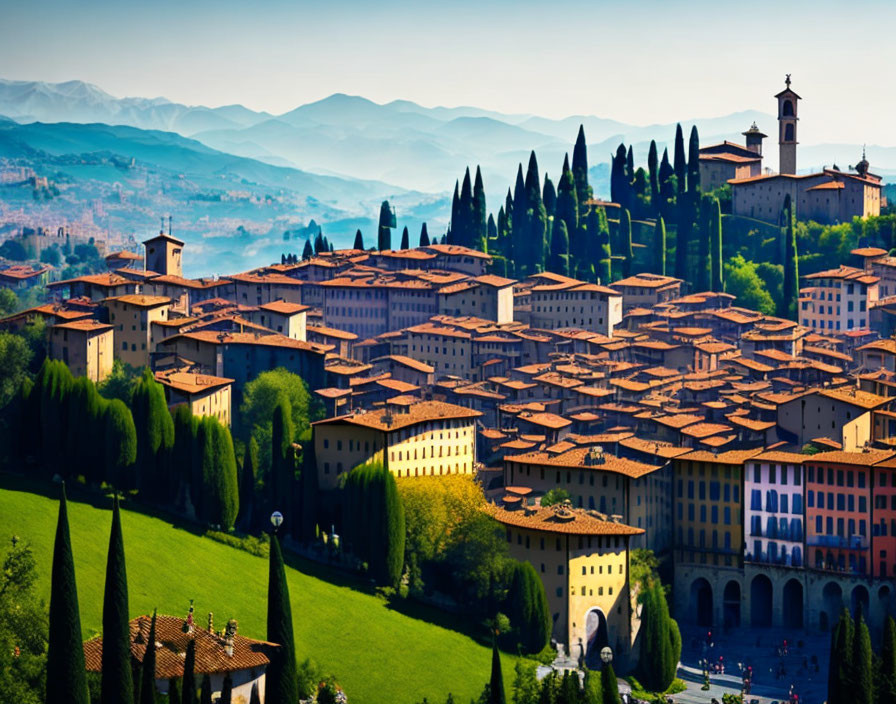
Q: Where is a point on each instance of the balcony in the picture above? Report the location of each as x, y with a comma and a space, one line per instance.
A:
855, 542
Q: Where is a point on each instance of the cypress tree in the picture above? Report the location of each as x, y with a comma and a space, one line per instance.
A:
120, 444
247, 484
308, 251
310, 493
148, 667
205, 694
558, 261
188, 693
464, 229
527, 608
155, 435
609, 686
659, 246
519, 224
395, 532
219, 500
862, 691
116, 683
841, 662
625, 238
319, 241
281, 684
496, 681
282, 455
66, 674
679, 163
694, 162
549, 196
454, 225
886, 688
715, 245
653, 171
703, 275
255, 698
599, 233
405, 238
630, 164
480, 232
568, 207
424, 236
668, 185
686, 214
491, 231
359, 240
790, 294
384, 230
173, 691
533, 242
618, 183
580, 173
226, 690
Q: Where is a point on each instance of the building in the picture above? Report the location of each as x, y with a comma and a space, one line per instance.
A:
844, 416
573, 304
206, 395
164, 254
20, 276
132, 316
86, 346
828, 196
123, 260
646, 290
774, 513
420, 439
583, 561
720, 163
488, 297
218, 654
281, 316
837, 300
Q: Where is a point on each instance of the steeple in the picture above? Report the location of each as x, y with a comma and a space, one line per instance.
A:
787, 122
754, 139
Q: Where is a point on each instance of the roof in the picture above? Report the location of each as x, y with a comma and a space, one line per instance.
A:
864, 459
388, 420
171, 646
284, 307
83, 326
141, 301
22, 271
164, 236
647, 281
576, 459
827, 186
495, 281
124, 254
730, 457
409, 362
190, 383
561, 519
246, 338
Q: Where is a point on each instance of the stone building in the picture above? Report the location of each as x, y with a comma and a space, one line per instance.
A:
132, 316
85, 346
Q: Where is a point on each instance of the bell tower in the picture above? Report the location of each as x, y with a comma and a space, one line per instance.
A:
787, 121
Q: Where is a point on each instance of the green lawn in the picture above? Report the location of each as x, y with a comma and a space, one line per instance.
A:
377, 653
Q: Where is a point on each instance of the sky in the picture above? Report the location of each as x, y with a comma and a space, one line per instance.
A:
637, 61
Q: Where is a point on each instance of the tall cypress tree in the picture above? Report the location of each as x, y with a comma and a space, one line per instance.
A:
703, 275
580, 173
519, 224
568, 208
405, 238
618, 183
120, 443
155, 436
715, 246
308, 251
528, 609
282, 455
558, 260
480, 211
248, 476
496, 681
790, 294
630, 164
424, 236
255, 698
188, 693
148, 667
116, 683
549, 196
395, 531
862, 691
66, 675
886, 688
625, 240
310, 494
599, 233
281, 684
654, 174
491, 231
659, 246
205, 693
609, 686
533, 242
226, 690
464, 229
454, 225
359, 240
842, 654
668, 186
679, 163
694, 161
384, 230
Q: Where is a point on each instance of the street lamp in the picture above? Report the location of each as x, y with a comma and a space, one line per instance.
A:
276, 520
606, 655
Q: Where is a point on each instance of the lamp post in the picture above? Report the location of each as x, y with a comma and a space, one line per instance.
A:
276, 520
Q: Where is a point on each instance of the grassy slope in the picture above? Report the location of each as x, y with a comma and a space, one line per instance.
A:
376, 653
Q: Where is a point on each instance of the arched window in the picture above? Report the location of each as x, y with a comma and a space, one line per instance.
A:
788, 132
787, 109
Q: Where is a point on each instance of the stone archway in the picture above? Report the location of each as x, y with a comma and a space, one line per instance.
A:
761, 601
832, 602
701, 602
793, 604
731, 605
596, 638
860, 601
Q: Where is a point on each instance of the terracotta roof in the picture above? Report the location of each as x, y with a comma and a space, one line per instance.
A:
827, 186
409, 362
247, 338
421, 412
869, 252
171, 646
324, 331
283, 307
575, 459
853, 396
782, 457
558, 519
191, 383
730, 457
854, 458
83, 326
22, 271
141, 301
495, 281
547, 420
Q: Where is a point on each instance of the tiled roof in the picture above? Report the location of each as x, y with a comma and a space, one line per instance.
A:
558, 519
283, 307
575, 459
191, 383
141, 301
83, 326
422, 412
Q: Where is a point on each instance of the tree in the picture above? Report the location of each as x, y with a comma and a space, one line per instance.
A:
255, 698
609, 686
716, 282
496, 681
480, 211
862, 690
567, 208
619, 184
679, 163
155, 435
405, 238
531, 237
247, 484
840, 674
281, 683
549, 196
743, 282
580, 172
308, 251
219, 496
659, 246
359, 240
387, 222
205, 693
120, 444
283, 460
424, 236
558, 261
226, 690
14, 359
886, 687
625, 240
173, 691
310, 495
527, 607
694, 162
654, 176
116, 683
8, 302
658, 663
148, 667
66, 674
790, 294
188, 693
555, 496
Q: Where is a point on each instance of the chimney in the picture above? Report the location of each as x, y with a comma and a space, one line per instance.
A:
229, 635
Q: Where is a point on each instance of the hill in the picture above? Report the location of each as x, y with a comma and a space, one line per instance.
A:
377, 653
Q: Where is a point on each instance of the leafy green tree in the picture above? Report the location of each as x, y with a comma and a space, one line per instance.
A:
525, 682
558, 261
117, 685
120, 444
359, 240
120, 382
742, 281
555, 496
387, 222
15, 357
598, 240
660, 640
66, 673
8, 302
528, 608
283, 460
148, 667
280, 680
790, 294
219, 497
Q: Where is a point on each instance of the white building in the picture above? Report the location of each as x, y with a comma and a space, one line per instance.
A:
774, 514
837, 300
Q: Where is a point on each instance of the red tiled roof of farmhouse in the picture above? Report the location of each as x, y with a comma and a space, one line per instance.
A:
560, 519
172, 639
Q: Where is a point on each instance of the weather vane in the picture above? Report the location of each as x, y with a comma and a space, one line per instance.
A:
787, 80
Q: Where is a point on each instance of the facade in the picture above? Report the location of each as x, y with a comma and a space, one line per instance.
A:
719, 163
423, 439
206, 395
132, 317
837, 299
575, 304
583, 562
20, 277
488, 297
86, 346
774, 513
842, 415
646, 290
286, 318
164, 254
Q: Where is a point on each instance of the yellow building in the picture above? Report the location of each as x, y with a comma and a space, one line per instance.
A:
427, 438
132, 317
85, 346
583, 562
206, 395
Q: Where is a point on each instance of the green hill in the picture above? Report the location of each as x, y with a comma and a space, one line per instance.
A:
377, 653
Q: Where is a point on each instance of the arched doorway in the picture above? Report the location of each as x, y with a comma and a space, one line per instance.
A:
701, 602
832, 602
793, 604
860, 601
761, 601
731, 605
597, 638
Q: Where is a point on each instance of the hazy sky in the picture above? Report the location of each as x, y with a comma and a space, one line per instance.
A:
639, 61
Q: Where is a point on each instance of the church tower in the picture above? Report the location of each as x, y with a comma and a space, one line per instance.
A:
787, 119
